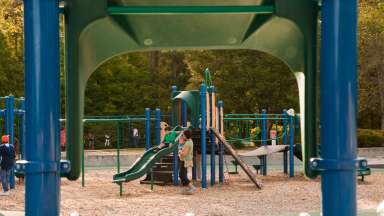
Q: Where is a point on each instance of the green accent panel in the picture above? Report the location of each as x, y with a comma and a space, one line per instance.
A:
93, 37
192, 98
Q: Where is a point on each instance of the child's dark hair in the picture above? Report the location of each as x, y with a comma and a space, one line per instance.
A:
168, 128
188, 134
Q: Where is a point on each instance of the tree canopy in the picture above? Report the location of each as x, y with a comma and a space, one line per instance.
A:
247, 81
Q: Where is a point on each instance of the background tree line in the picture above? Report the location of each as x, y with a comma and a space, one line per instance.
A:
247, 81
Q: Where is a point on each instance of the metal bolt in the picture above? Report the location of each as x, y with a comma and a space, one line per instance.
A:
148, 42
315, 163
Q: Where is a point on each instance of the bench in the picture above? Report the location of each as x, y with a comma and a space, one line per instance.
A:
257, 167
363, 172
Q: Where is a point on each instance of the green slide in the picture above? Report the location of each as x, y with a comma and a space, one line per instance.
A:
144, 163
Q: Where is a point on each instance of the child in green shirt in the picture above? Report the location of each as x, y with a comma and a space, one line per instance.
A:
169, 138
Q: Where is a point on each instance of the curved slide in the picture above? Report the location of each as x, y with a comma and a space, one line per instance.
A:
144, 164
243, 165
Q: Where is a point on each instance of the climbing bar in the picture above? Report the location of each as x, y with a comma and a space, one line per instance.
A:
252, 114
113, 120
251, 118
254, 9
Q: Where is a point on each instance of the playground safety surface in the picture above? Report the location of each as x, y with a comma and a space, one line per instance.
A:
238, 196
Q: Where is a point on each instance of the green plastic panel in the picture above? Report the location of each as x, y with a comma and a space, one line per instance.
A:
192, 99
95, 32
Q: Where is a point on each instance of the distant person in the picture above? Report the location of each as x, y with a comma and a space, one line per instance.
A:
135, 137
186, 161
91, 141
107, 141
63, 139
7, 153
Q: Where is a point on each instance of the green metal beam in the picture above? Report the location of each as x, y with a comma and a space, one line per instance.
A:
251, 9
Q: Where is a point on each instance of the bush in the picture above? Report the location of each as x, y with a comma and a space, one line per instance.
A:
370, 138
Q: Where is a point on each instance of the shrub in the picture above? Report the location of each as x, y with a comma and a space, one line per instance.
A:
370, 138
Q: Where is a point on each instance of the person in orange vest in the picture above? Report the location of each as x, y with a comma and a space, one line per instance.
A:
7, 153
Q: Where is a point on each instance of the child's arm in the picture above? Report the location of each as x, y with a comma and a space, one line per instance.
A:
184, 151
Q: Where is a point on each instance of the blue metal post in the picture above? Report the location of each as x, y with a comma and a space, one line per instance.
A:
212, 136
10, 120
147, 128
157, 126
184, 114
42, 92
291, 146
221, 146
22, 128
285, 153
10, 117
175, 152
338, 106
203, 92
264, 133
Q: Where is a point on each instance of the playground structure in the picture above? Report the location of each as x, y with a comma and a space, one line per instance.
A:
199, 107
285, 29
256, 128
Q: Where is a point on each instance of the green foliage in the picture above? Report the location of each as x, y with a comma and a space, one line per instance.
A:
370, 138
371, 64
247, 81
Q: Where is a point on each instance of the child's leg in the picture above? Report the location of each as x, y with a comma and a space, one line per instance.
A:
4, 180
183, 174
8, 173
12, 178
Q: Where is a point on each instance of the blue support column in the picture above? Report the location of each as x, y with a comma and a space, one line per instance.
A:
157, 126
264, 133
212, 136
184, 113
22, 129
291, 146
10, 117
338, 106
175, 152
147, 128
10, 120
221, 146
285, 153
42, 92
203, 100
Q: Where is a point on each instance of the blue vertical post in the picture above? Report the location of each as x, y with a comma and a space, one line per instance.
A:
338, 106
184, 113
42, 92
264, 133
175, 152
203, 100
10, 119
147, 128
291, 145
157, 126
285, 153
221, 146
22, 129
212, 136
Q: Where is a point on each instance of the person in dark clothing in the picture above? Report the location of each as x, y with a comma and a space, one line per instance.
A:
7, 153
